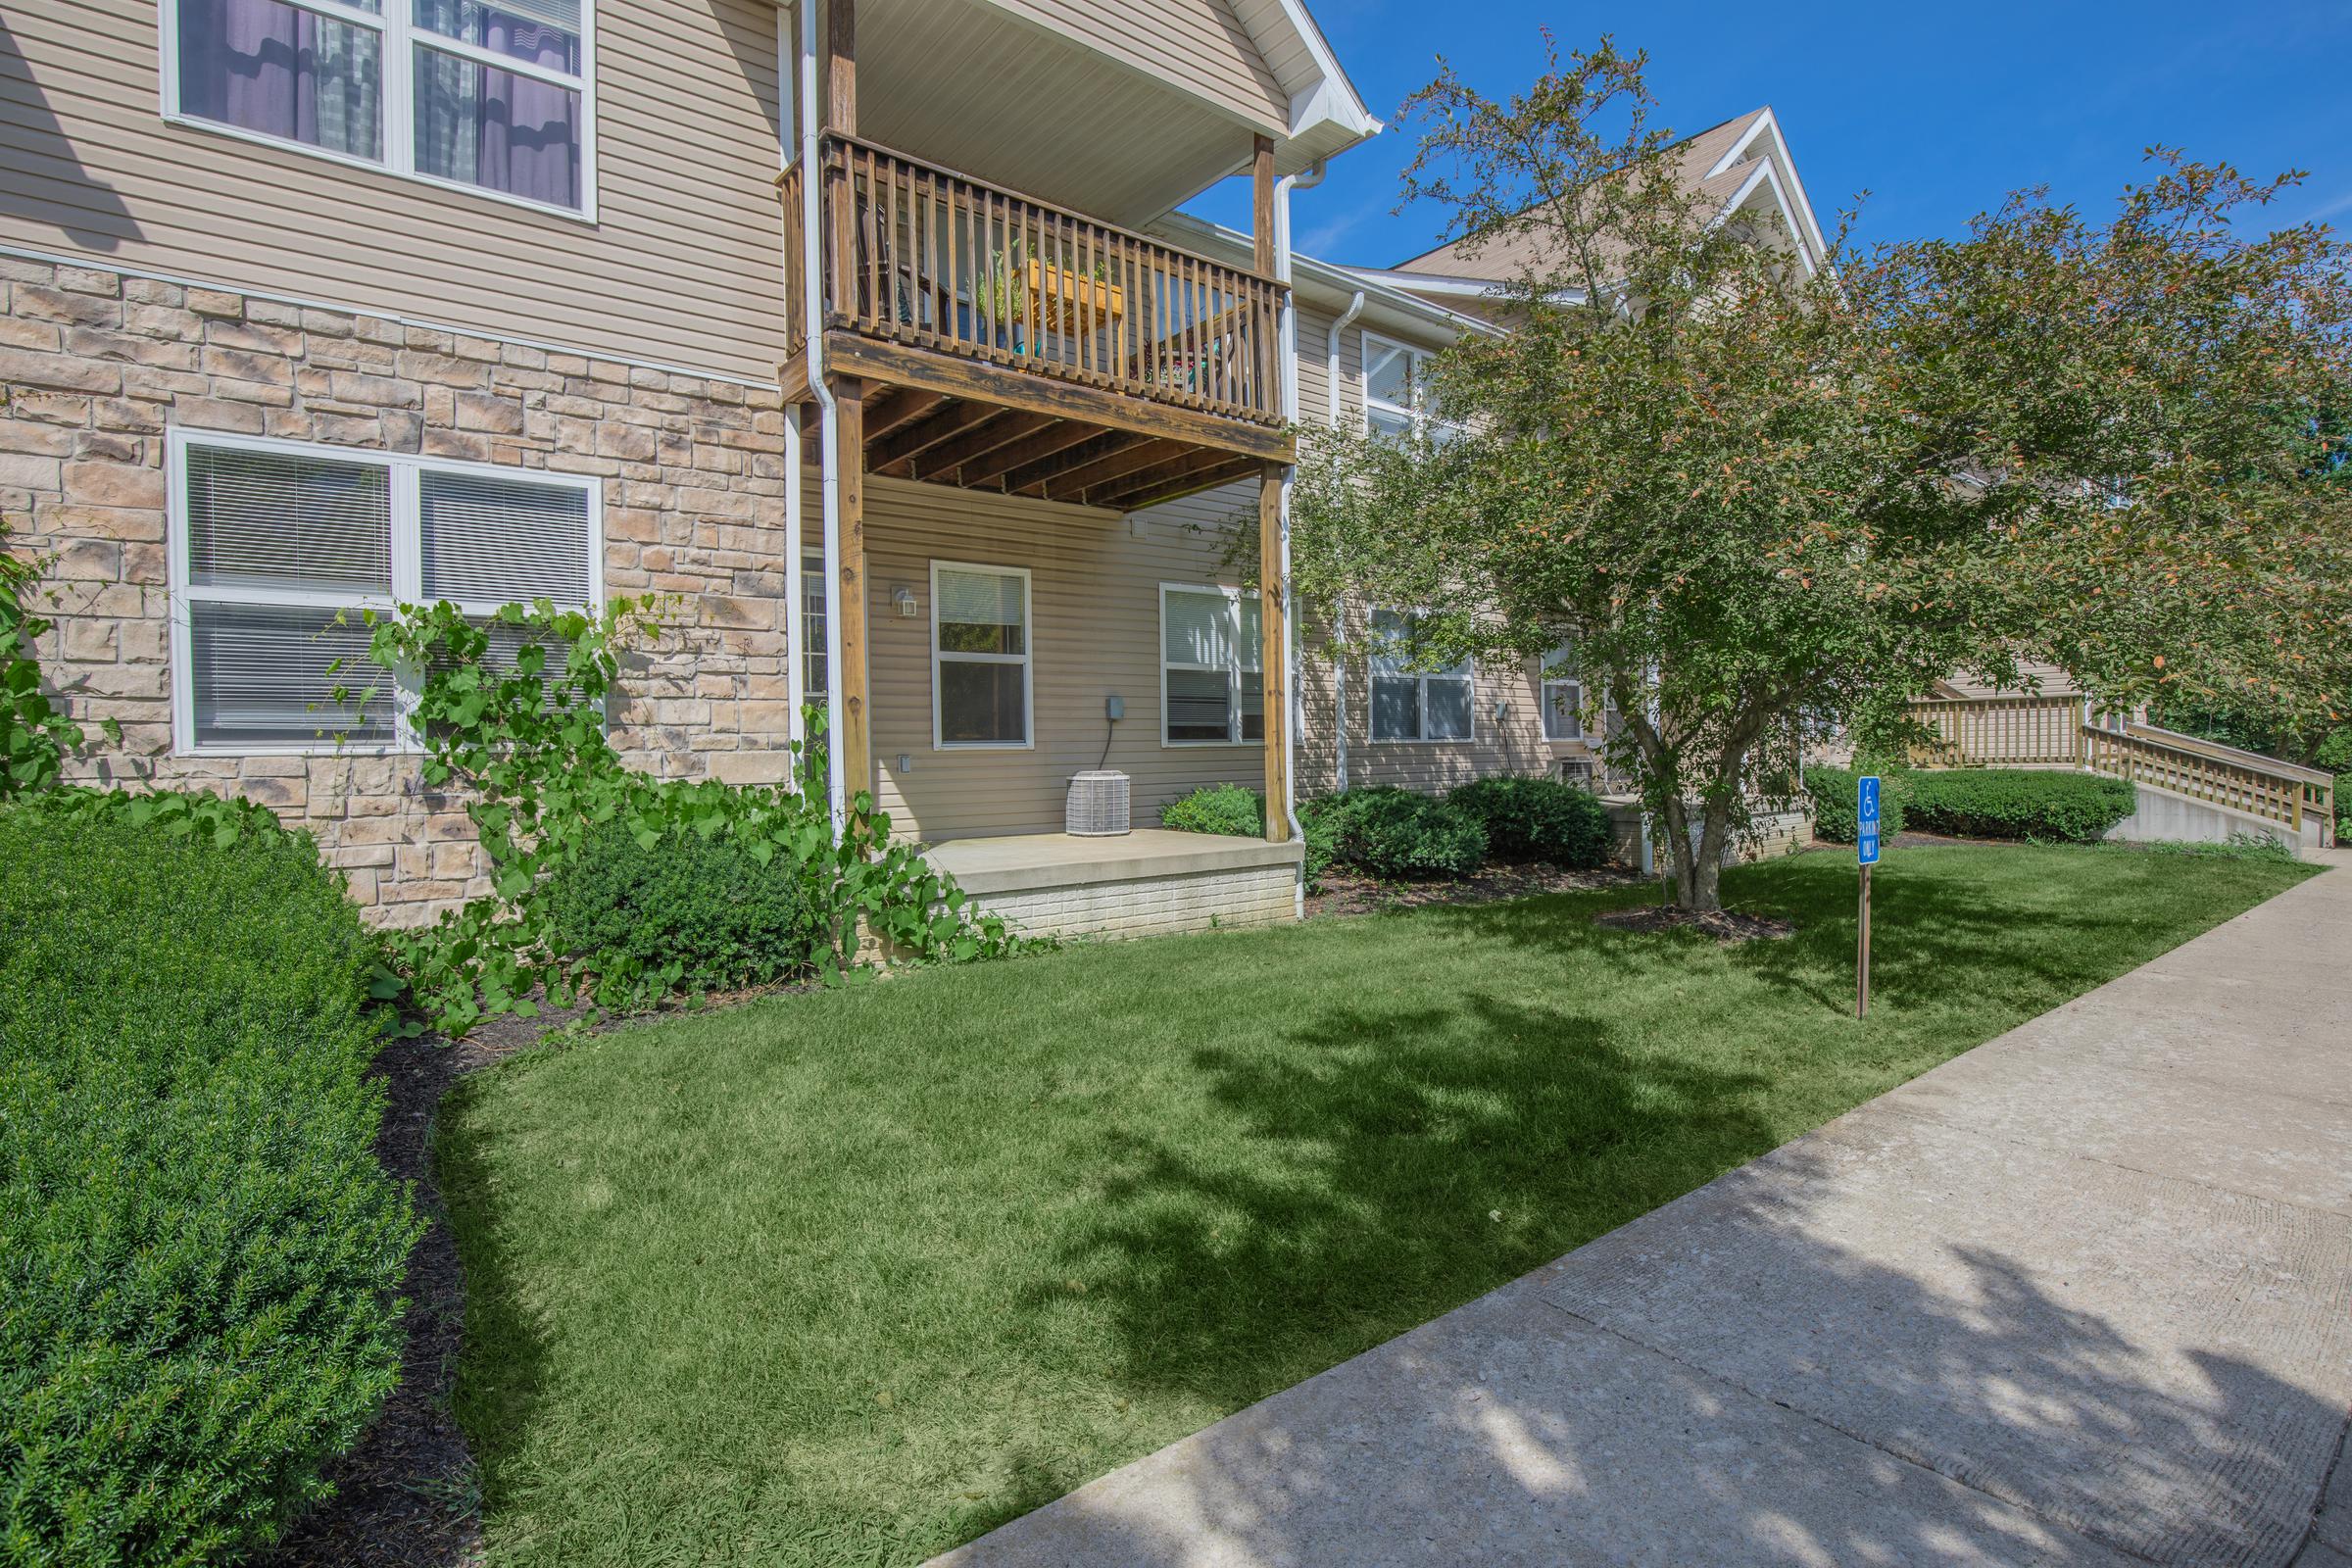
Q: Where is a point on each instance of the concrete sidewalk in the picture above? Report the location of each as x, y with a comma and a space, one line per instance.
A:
2082, 1296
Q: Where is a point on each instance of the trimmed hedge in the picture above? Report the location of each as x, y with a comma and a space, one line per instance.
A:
1833, 792
700, 914
1226, 808
1537, 819
1239, 812
1390, 831
2018, 804
201, 1248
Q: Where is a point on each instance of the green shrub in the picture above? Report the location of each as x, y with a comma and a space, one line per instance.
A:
1241, 812
1537, 819
1833, 792
523, 739
2017, 804
1397, 832
1226, 808
697, 914
198, 1249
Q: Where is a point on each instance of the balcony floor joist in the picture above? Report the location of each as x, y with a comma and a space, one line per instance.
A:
941, 420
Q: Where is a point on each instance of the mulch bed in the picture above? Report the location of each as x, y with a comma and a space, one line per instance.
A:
1727, 926
408, 1496
1352, 893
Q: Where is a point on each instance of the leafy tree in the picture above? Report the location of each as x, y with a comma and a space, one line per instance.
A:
1764, 498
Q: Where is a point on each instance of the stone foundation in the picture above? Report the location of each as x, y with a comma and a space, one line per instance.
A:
100, 366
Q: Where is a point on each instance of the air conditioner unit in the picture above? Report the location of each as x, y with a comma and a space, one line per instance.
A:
1576, 770
1098, 804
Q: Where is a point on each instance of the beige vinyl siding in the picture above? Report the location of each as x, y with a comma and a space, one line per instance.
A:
1514, 745
1197, 46
681, 268
1095, 632
1314, 374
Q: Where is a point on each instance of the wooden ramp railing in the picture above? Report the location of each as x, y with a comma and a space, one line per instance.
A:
2001, 732
920, 255
2246, 781
2054, 732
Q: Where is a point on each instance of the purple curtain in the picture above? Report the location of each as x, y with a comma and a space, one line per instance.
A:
281, 70
529, 132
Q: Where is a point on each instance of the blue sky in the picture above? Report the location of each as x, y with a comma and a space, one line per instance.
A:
1935, 110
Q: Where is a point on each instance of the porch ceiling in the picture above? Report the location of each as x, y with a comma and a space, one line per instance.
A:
972, 444
974, 88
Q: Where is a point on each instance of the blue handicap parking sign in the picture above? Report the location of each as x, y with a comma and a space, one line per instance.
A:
1866, 814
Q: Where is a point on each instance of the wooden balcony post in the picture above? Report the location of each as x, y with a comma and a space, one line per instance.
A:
856, 716
841, 65
1272, 664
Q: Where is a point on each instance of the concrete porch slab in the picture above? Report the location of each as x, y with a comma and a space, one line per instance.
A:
1021, 861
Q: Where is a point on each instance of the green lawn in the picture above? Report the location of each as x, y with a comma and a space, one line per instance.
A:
853, 1277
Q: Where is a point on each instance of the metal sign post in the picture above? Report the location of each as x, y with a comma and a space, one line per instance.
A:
1866, 852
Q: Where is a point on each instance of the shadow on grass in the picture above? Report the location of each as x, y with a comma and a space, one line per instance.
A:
1940, 930
1423, 1155
505, 1362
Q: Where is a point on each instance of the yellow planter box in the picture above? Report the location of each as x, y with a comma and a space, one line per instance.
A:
1067, 300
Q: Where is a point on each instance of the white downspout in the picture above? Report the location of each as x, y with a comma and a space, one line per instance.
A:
1306, 180
813, 326
1339, 630
795, 660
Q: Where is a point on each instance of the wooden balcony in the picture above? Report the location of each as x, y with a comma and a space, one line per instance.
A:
1006, 344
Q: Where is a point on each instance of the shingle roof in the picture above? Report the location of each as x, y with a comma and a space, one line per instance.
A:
1501, 259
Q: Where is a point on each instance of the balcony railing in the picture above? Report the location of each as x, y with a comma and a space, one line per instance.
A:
920, 255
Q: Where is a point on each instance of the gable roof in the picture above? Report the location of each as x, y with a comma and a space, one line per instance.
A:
1742, 163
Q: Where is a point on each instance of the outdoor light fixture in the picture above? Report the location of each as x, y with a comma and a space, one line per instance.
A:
903, 597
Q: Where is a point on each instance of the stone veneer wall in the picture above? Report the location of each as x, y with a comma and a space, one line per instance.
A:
98, 366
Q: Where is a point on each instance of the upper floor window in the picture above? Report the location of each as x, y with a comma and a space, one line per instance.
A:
1408, 703
488, 97
1396, 390
271, 540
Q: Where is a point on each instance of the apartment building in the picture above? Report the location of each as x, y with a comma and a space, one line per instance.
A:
870, 331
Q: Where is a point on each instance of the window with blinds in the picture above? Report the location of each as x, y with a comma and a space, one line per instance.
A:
979, 656
1409, 703
279, 549
1212, 692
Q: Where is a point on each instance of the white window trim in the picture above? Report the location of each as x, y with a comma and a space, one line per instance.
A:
1415, 357
1543, 685
408, 576
1468, 677
397, 131
1233, 672
1025, 659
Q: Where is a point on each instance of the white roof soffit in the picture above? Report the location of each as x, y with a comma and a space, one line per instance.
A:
1324, 96
1795, 205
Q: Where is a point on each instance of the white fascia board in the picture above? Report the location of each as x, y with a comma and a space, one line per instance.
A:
1768, 175
1334, 97
1801, 206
